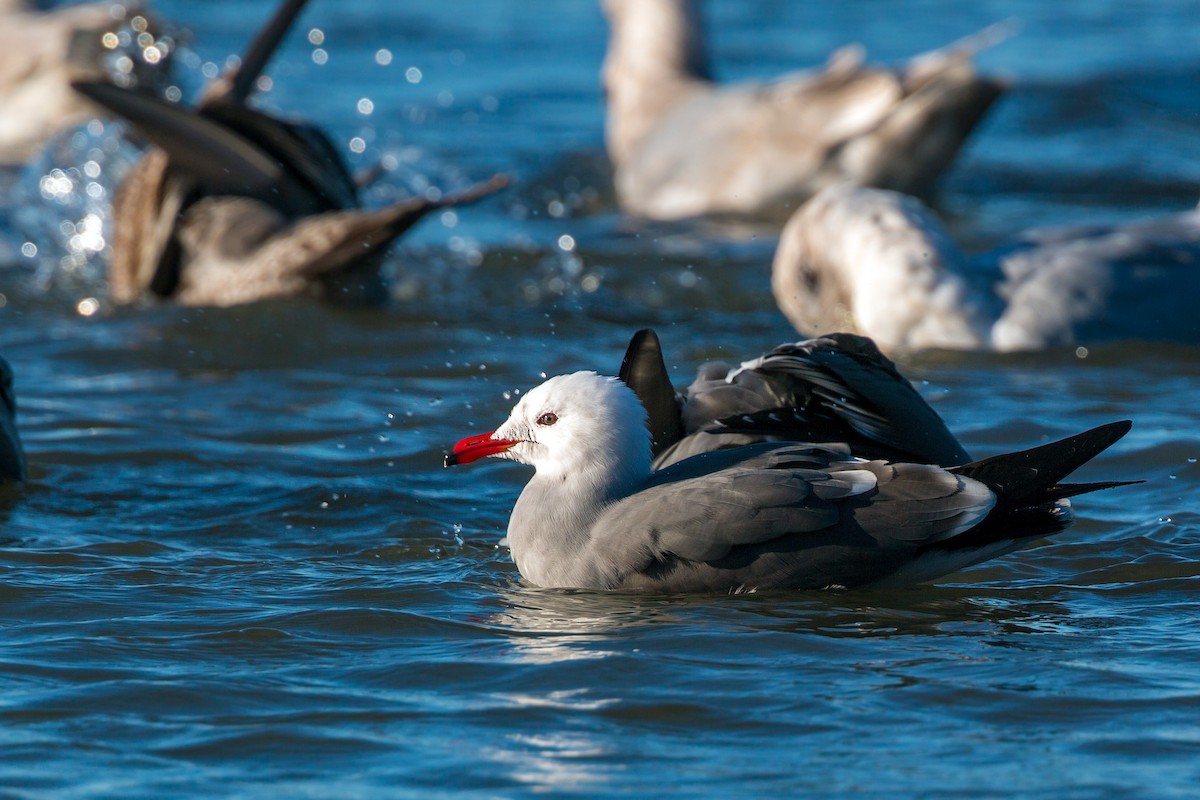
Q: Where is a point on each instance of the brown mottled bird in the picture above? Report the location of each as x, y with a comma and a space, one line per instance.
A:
233, 205
43, 51
683, 146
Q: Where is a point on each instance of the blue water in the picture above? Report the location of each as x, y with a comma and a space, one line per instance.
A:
238, 568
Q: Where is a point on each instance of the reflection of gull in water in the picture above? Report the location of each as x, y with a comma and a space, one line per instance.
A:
683, 146
547, 626
234, 205
12, 457
43, 51
881, 264
764, 516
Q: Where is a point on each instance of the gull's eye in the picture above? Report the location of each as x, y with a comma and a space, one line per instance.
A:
549, 418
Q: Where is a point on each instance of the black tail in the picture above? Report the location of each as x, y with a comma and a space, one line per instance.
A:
1031, 477
1027, 485
644, 371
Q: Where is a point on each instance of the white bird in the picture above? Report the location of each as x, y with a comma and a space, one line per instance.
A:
45, 50
12, 456
682, 145
881, 264
762, 516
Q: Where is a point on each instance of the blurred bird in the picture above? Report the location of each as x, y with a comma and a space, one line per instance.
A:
837, 388
683, 146
45, 50
12, 457
234, 205
882, 264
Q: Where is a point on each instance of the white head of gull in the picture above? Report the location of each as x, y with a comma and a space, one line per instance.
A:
763, 516
881, 264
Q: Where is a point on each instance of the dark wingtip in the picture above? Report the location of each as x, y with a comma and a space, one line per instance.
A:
645, 372
1033, 475
642, 344
236, 85
478, 191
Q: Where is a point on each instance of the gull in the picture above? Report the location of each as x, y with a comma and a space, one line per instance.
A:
684, 146
881, 264
233, 205
45, 50
12, 457
834, 388
765, 516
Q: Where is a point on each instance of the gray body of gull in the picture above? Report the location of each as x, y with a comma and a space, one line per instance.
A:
12, 456
764, 516
882, 264
233, 205
835, 388
683, 146
45, 50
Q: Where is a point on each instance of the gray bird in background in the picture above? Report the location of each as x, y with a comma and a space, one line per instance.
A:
882, 264
684, 146
44, 51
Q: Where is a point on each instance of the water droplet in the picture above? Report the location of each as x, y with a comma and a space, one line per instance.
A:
566, 242
383, 57
412, 75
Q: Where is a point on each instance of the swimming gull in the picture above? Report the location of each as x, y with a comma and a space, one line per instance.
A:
234, 205
682, 145
835, 388
882, 264
763, 516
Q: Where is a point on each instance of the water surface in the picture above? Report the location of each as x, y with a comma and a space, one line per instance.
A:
238, 568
